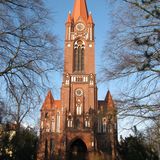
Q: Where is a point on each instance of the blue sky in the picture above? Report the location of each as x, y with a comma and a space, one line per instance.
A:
102, 19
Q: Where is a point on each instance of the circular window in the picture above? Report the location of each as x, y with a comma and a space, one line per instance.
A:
79, 92
80, 26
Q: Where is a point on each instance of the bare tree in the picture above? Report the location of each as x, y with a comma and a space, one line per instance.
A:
153, 137
22, 103
27, 48
28, 52
132, 56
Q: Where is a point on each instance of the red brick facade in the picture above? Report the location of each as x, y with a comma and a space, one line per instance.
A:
78, 121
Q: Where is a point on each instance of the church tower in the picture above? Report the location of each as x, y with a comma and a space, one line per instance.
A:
79, 81
79, 90
78, 123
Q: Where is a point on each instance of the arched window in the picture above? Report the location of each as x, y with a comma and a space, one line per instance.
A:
104, 125
110, 128
79, 108
87, 122
79, 56
70, 121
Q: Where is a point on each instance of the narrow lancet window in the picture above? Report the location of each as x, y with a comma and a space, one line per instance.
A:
87, 123
70, 121
79, 108
104, 125
79, 56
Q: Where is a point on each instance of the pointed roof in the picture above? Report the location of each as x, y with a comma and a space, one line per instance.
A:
80, 10
69, 19
109, 101
49, 100
90, 19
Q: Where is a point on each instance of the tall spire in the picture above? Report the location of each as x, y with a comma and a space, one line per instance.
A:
80, 10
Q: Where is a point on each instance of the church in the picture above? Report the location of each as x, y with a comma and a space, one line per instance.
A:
78, 125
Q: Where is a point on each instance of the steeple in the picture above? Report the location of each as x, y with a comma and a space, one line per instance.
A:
80, 10
109, 101
49, 100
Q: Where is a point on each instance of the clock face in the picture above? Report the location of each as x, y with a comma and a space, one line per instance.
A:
80, 26
79, 92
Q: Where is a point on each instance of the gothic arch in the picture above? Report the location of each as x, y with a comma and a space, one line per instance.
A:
78, 57
74, 139
77, 149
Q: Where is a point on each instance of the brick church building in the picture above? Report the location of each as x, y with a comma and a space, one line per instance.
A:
78, 124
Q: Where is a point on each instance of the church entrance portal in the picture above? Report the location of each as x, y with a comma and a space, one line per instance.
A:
77, 150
